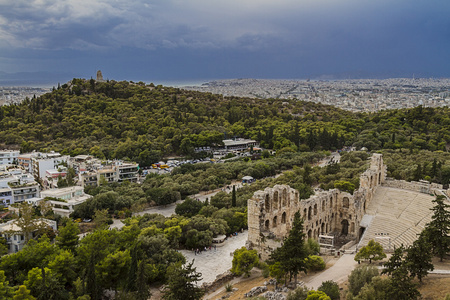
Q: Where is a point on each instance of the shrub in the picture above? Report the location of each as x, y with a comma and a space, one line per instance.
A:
228, 287
299, 293
315, 263
359, 277
330, 288
312, 247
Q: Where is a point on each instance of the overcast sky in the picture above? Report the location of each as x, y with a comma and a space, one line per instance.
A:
211, 39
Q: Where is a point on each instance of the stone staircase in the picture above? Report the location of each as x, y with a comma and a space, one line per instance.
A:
398, 217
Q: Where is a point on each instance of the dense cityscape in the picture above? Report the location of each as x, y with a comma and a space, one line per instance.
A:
14, 95
356, 95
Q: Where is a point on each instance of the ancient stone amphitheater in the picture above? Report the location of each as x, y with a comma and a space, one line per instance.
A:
390, 211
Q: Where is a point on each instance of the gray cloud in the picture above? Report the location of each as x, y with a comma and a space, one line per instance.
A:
313, 36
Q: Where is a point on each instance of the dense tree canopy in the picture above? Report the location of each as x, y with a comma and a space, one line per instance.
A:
122, 119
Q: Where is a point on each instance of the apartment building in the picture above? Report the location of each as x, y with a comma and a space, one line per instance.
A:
24, 160
16, 186
8, 156
70, 197
118, 172
47, 161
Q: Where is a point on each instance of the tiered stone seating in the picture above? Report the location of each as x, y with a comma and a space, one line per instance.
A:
398, 217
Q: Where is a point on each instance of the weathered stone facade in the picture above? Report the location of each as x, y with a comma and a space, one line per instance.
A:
271, 211
416, 186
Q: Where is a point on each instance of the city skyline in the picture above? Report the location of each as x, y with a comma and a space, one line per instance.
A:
205, 40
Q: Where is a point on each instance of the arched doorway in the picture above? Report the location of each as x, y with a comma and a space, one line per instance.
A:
344, 224
361, 232
266, 224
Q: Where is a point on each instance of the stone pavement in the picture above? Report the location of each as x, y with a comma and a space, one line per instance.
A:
338, 272
215, 262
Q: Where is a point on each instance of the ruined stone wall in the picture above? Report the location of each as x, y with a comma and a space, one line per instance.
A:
415, 186
271, 211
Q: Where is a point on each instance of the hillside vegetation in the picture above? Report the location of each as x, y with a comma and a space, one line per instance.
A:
145, 123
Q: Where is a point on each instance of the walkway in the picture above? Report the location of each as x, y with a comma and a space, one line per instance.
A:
338, 272
214, 262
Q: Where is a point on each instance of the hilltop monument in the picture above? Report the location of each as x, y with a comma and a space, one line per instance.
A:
99, 76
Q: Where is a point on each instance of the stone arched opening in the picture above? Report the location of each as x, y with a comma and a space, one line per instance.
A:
309, 213
345, 202
323, 205
305, 214
322, 228
309, 234
283, 218
361, 232
274, 223
275, 200
344, 224
284, 200
315, 209
267, 224
267, 203
331, 202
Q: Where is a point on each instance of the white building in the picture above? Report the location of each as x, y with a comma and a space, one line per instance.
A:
70, 197
15, 239
8, 156
16, 186
239, 144
47, 161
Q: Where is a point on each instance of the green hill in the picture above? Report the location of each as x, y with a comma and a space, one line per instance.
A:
144, 123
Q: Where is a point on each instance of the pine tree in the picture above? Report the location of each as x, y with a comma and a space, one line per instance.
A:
401, 285
438, 229
419, 257
181, 283
67, 238
291, 255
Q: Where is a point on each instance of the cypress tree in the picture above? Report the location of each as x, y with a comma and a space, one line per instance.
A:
233, 197
131, 284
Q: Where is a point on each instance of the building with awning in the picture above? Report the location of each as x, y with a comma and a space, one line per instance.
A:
248, 179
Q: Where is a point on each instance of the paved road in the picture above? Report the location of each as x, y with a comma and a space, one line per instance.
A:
169, 210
